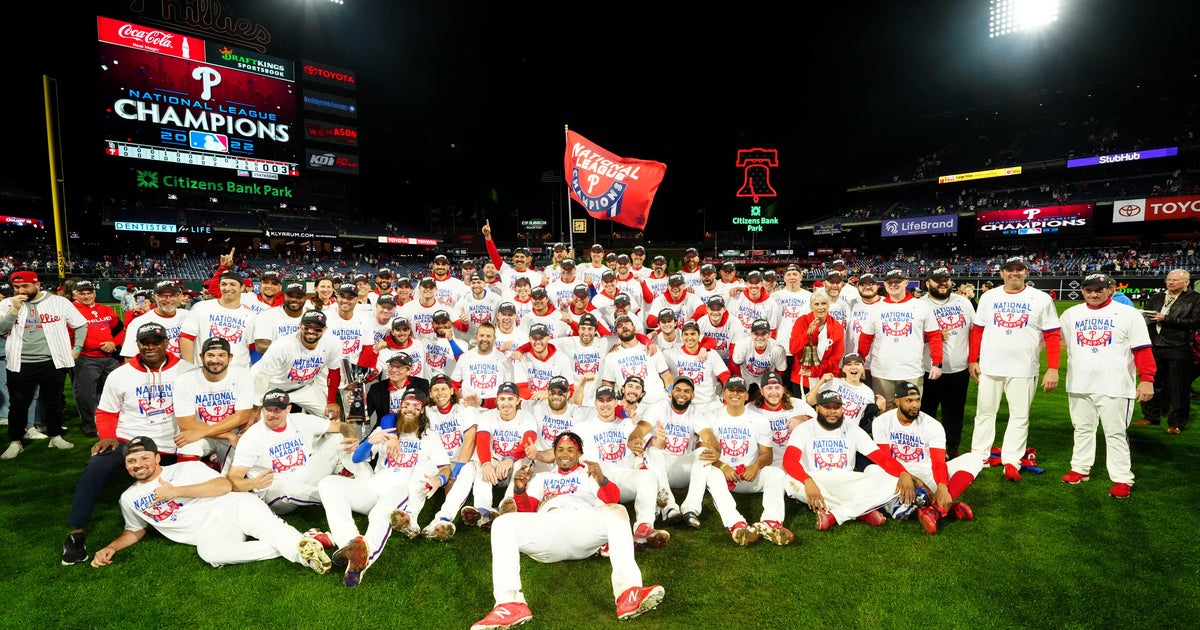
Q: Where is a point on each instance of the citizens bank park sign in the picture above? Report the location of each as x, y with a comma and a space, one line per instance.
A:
1156, 209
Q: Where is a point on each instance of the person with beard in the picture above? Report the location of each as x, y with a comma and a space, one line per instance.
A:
752, 303
954, 314
534, 367
834, 287
502, 444
521, 259
782, 414
383, 286
585, 351
211, 404
480, 371
269, 295
918, 441
656, 276
384, 396
282, 320
677, 299
283, 456
819, 461
190, 504
167, 296
564, 514
709, 285
847, 293
743, 465
455, 429
908, 334
137, 400
691, 269
410, 466
703, 368
828, 340
449, 289
561, 289
630, 357
478, 304
399, 339
606, 441
554, 415
306, 364
46, 335
868, 300
674, 451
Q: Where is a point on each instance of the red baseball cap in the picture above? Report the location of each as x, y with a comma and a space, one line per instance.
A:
23, 277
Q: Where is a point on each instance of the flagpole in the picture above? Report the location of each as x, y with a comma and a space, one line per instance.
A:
567, 194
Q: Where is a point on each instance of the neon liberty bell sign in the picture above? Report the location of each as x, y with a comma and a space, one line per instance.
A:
756, 167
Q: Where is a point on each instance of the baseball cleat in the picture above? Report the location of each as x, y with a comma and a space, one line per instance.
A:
74, 549
664, 497
646, 536
321, 537
961, 511
691, 519
825, 520
355, 554
441, 530
775, 532
1011, 473
930, 518
1120, 490
639, 599
602, 551
313, 556
874, 518
402, 524
742, 534
480, 517
1075, 477
504, 616
508, 504
670, 515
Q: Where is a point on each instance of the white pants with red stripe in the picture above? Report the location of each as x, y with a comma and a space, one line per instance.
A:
557, 535
377, 497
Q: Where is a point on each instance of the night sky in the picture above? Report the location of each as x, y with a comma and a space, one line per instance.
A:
463, 103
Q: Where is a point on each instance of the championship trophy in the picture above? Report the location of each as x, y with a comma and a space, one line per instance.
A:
354, 393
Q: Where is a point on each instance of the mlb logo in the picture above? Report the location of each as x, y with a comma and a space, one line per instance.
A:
205, 141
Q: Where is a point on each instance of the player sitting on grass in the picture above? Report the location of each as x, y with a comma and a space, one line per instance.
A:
564, 514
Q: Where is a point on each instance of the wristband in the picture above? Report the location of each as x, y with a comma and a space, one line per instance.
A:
720, 465
442, 478
456, 469
78, 348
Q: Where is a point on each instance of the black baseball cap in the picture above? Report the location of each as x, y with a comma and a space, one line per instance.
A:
623, 258
684, 379
638, 249
316, 318
760, 325
401, 322
676, 279
441, 316
605, 390
385, 299
895, 274
940, 273
539, 330
428, 281
521, 280
691, 323
667, 314
152, 330
853, 357
269, 275
441, 379
608, 274
294, 287
559, 382
772, 378
1095, 280
580, 289
475, 275
660, 259
707, 268
1015, 261
735, 382
508, 387
559, 247
383, 273
715, 301
622, 298
441, 258
400, 358
85, 285
906, 388
621, 318
538, 292
139, 444
346, 287
215, 343
567, 262
587, 319
277, 398
728, 266
162, 287
507, 306
829, 397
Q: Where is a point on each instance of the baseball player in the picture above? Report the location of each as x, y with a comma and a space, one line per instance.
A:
307, 365
1012, 325
225, 317
677, 299
456, 426
280, 321
479, 304
167, 296
192, 504
781, 412
345, 322
564, 515
954, 314
281, 458
138, 399
704, 368
585, 351
554, 415
819, 461
631, 358
752, 303
506, 435
918, 442
743, 465
410, 466
606, 438
758, 354
533, 370
901, 327
1106, 343
400, 339
480, 371
793, 301
864, 307
212, 404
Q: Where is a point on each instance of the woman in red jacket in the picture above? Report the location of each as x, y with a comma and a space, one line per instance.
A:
828, 339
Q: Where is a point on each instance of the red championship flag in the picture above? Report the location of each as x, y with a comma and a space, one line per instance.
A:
609, 186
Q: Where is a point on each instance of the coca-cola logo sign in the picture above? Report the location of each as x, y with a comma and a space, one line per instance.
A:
158, 38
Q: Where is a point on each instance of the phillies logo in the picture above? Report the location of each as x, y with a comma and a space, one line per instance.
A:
483, 382
1094, 338
591, 367
792, 312
851, 409
677, 445
435, 360
906, 453
831, 461
159, 512
638, 370
600, 195
1010, 320
451, 441
302, 375
612, 452
350, 346
955, 321
406, 461
288, 462
214, 413
232, 335
897, 329
780, 437
735, 448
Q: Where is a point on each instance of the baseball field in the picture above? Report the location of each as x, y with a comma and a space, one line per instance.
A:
1040, 554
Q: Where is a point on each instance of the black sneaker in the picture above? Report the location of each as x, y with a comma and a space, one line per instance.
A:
74, 550
691, 520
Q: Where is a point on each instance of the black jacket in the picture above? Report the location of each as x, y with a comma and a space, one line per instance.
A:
1181, 321
379, 398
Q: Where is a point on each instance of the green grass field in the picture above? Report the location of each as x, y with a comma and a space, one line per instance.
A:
1040, 554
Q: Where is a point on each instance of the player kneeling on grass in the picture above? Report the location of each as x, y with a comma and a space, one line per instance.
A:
564, 514
820, 463
410, 466
192, 504
918, 442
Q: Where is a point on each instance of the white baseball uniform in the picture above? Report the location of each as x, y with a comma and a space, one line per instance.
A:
828, 456
208, 318
740, 438
451, 425
674, 464
503, 441
211, 402
301, 454
921, 448
300, 371
607, 443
